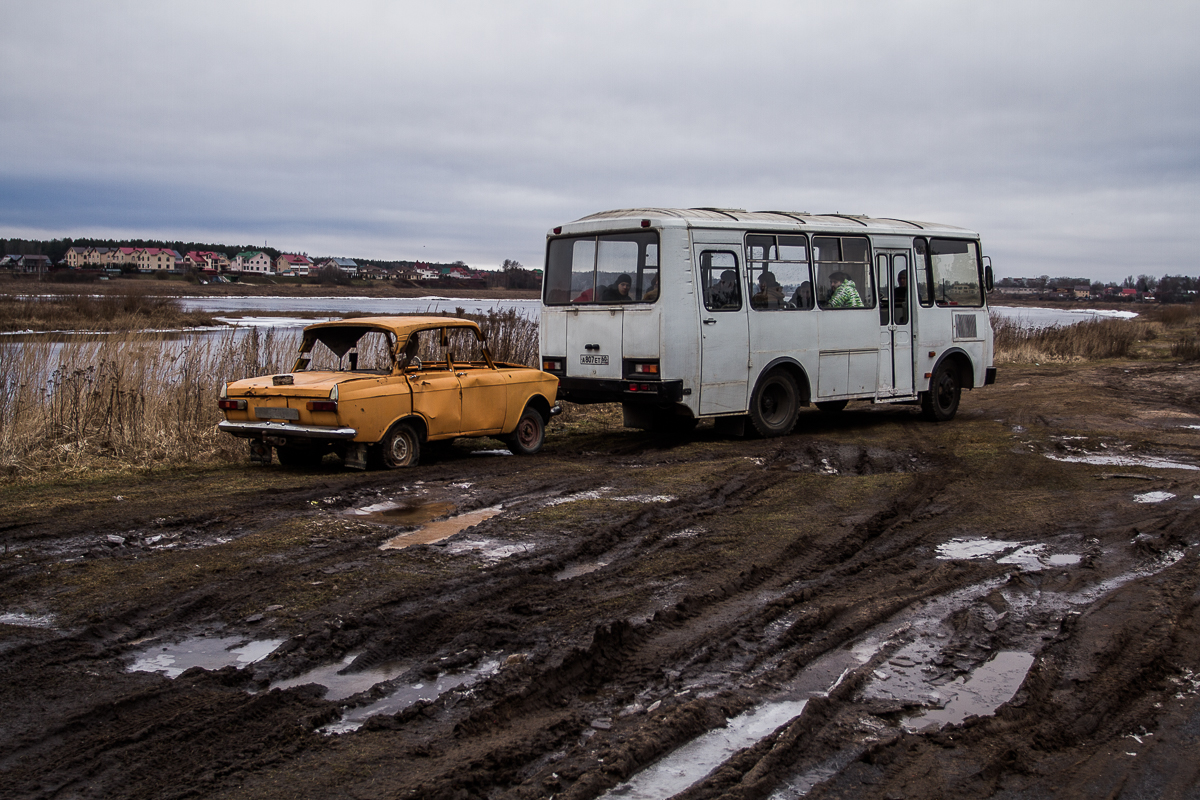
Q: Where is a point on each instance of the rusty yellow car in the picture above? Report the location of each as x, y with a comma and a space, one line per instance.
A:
374, 390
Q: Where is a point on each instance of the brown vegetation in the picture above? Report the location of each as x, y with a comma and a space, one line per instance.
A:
131, 310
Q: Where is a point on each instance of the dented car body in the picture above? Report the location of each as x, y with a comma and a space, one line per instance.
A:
375, 389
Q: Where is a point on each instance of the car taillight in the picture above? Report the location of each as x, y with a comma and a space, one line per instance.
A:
321, 405
231, 405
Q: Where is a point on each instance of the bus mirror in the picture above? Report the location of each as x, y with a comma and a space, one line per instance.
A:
988, 280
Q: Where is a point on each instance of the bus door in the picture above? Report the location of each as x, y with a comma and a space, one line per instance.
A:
724, 330
895, 323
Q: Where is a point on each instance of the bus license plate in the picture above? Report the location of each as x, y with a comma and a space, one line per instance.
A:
594, 360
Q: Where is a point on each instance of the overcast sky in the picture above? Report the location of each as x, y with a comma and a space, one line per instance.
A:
1066, 133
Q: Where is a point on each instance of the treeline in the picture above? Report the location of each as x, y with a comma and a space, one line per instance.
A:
1167, 289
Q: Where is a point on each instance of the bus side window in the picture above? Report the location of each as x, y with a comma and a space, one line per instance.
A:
922, 270
719, 277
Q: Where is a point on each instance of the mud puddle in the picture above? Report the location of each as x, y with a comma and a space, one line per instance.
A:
693, 761
27, 620
1027, 557
403, 697
339, 685
983, 691
1102, 459
210, 653
442, 529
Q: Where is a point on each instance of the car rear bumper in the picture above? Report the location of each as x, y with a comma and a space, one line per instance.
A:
254, 430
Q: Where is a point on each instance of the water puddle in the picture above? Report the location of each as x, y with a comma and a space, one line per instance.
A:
1153, 497
980, 693
339, 686
490, 549
405, 514
696, 759
442, 529
802, 784
576, 570
1123, 461
1027, 557
27, 620
405, 696
593, 494
173, 660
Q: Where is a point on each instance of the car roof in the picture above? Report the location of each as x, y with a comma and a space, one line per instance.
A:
400, 326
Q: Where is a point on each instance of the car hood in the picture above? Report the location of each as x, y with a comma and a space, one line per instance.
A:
303, 384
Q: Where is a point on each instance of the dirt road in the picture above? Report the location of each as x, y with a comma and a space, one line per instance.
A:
873, 607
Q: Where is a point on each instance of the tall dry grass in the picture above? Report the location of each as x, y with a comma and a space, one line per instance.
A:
138, 400
122, 401
1084, 341
131, 310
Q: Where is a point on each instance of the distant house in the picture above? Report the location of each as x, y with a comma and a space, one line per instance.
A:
156, 259
1082, 292
292, 264
348, 266
76, 257
251, 261
206, 261
26, 264
120, 256
427, 273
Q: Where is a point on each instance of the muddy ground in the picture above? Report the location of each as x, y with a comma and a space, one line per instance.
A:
872, 607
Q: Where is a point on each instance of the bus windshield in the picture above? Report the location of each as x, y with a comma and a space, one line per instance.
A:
612, 268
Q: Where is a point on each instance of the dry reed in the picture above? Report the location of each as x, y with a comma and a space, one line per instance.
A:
1083, 341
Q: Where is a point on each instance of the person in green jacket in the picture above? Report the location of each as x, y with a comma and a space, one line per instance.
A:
845, 293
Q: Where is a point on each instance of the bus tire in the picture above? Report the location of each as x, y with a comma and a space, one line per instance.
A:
529, 435
400, 447
775, 404
832, 406
940, 403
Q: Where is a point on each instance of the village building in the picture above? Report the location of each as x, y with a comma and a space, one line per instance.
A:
252, 261
292, 264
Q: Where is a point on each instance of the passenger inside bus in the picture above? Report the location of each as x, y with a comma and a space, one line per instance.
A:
724, 293
803, 296
618, 292
769, 294
845, 293
900, 295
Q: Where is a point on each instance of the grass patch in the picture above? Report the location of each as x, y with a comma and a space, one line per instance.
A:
133, 310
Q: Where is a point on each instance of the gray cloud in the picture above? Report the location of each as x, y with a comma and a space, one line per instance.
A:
1063, 132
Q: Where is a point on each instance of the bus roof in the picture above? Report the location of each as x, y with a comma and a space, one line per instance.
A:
765, 220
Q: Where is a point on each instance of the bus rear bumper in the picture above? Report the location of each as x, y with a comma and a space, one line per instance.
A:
612, 390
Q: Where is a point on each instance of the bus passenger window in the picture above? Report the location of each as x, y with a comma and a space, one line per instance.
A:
719, 277
843, 272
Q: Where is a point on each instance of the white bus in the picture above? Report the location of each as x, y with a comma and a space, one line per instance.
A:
736, 316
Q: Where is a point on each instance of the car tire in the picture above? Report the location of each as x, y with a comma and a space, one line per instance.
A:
529, 435
400, 447
940, 403
775, 405
832, 406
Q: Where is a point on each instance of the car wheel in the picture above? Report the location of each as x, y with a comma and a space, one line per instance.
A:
527, 438
832, 406
940, 403
299, 457
775, 405
400, 447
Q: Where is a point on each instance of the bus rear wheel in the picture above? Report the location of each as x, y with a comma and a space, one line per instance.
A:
940, 403
775, 405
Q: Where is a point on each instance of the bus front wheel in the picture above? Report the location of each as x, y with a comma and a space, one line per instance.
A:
940, 403
775, 405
